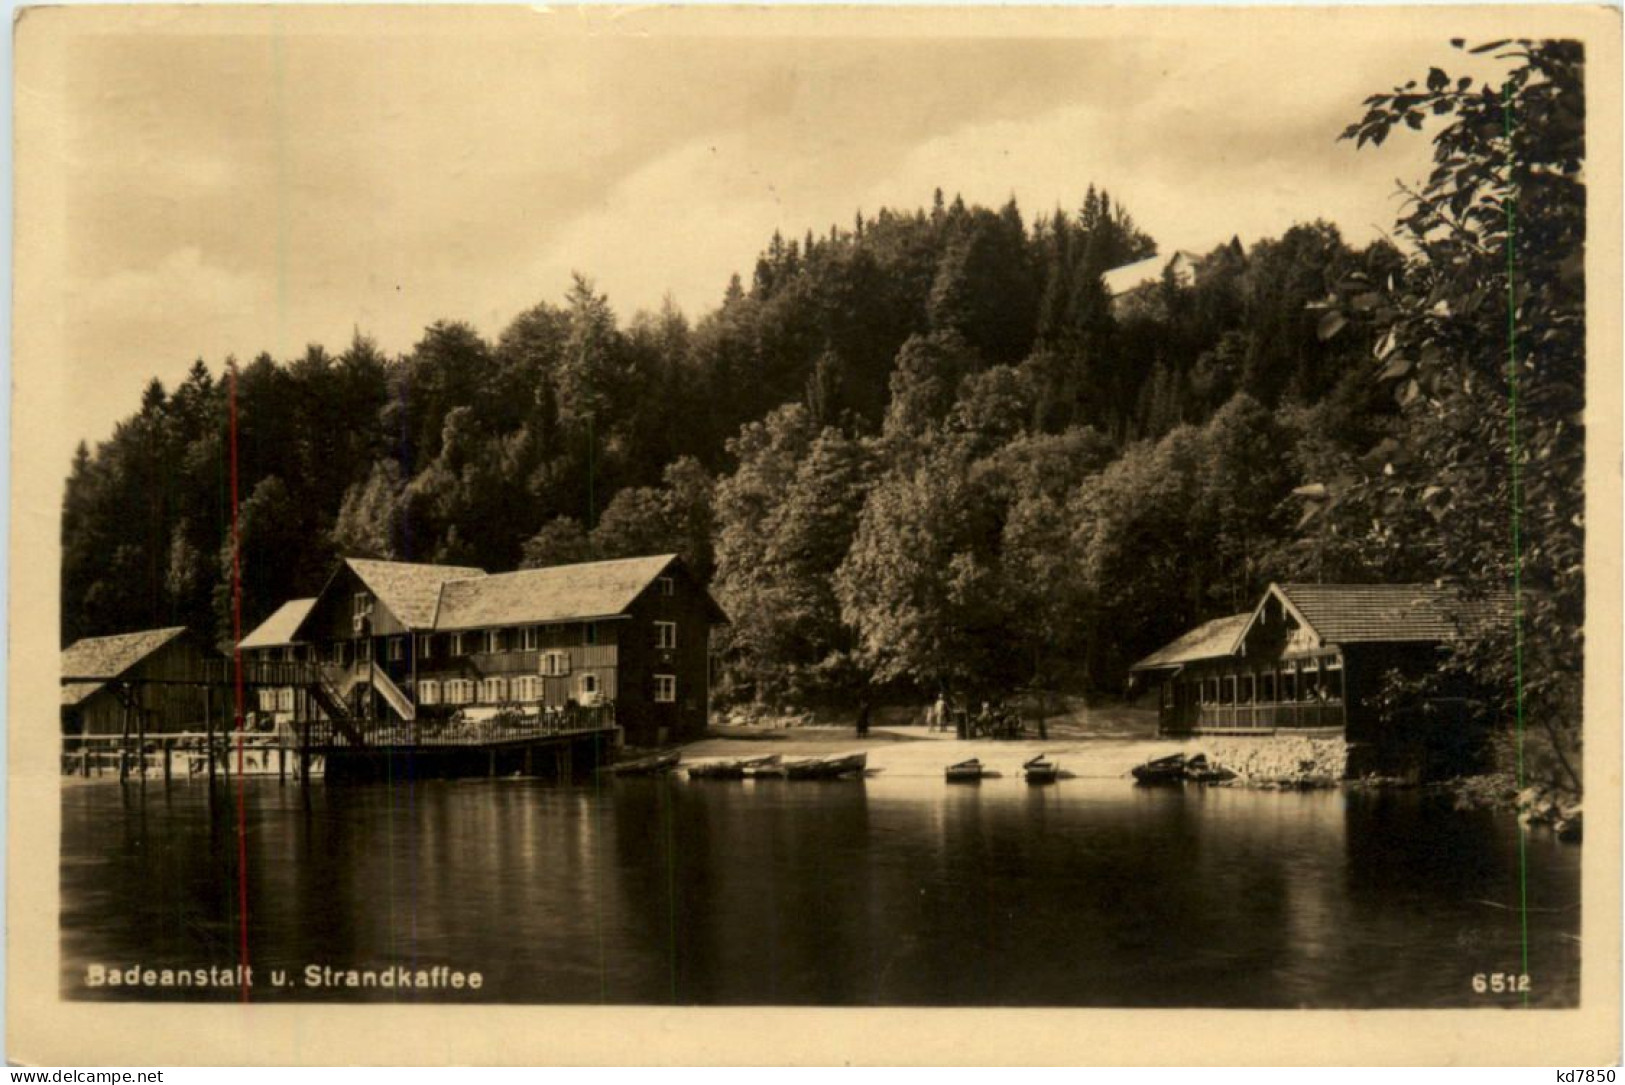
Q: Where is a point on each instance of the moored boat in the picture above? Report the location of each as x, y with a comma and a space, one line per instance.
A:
826, 768
965, 772
1201, 771
1041, 770
735, 769
649, 766
1164, 770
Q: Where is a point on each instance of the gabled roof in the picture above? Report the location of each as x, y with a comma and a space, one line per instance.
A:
410, 591
594, 589
279, 628
1210, 640
109, 657
1387, 613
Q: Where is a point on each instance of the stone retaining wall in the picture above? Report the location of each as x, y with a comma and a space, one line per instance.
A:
1280, 759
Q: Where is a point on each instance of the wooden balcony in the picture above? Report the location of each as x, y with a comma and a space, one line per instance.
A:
492, 730
1265, 718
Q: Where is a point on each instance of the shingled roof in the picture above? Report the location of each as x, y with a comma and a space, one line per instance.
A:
109, 657
1388, 613
278, 630
411, 592
594, 589
1210, 640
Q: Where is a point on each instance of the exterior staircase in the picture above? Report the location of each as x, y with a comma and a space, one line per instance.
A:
330, 691
393, 696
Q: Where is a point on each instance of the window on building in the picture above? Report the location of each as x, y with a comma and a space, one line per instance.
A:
267, 700
1309, 681
1289, 683
666, 688
526, 689
363, 604
554, 664
425, 646
363, 651
397, 649
428, 691
666, 635
1334, 679
589, 633
335, 652
1244, 693
459, 691
494, 640
284, 699
459, 644
533, 638
1227, 689
493, 690
589, 688
1267, 692
668, 586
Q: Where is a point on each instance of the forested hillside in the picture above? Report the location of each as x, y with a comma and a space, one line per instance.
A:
949, 362
919, 450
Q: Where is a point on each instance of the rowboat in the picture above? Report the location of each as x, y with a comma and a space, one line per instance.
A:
1164, 770
1041, 771
730, 770
1199, 770
965, 772
826, 768
649, 766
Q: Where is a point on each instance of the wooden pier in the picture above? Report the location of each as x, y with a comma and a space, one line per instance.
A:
324, 737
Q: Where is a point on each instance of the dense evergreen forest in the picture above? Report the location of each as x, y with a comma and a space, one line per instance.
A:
928, 448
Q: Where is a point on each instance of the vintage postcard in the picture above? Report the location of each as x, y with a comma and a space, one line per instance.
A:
796, 535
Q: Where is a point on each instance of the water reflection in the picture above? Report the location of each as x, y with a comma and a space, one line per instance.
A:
900, 892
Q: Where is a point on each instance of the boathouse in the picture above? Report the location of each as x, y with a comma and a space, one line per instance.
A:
1311, 658
628, 636
272, 641
132, 671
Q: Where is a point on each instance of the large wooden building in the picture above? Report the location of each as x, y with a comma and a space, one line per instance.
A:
437, 639
1311, 658
135, 691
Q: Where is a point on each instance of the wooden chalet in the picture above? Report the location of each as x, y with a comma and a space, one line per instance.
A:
630, 637
1307, 658
132, 671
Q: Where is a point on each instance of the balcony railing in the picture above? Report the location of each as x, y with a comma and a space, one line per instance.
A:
467, 730
1270, 717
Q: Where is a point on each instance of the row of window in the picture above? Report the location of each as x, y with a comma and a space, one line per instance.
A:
1307, 680
276, 700
490, 641
524, 689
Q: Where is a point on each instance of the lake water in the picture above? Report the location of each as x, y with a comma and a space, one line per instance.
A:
877, 892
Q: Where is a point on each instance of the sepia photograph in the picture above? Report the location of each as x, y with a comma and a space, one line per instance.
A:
896, 509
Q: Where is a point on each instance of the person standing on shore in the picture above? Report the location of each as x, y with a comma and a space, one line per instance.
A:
863, 718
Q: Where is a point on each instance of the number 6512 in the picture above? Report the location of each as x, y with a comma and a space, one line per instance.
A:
1501, 983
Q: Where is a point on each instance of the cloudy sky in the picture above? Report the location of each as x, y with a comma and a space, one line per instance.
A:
237, 187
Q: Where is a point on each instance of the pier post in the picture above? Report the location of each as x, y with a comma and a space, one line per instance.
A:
124, 744
169, 749
491, 763
281, 763
141, 741
530, 760
208, 731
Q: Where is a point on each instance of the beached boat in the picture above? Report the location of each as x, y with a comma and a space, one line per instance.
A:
649, 766
1199, 770
826, 768
1041, 770
730, 770
965, 772
1164, 770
